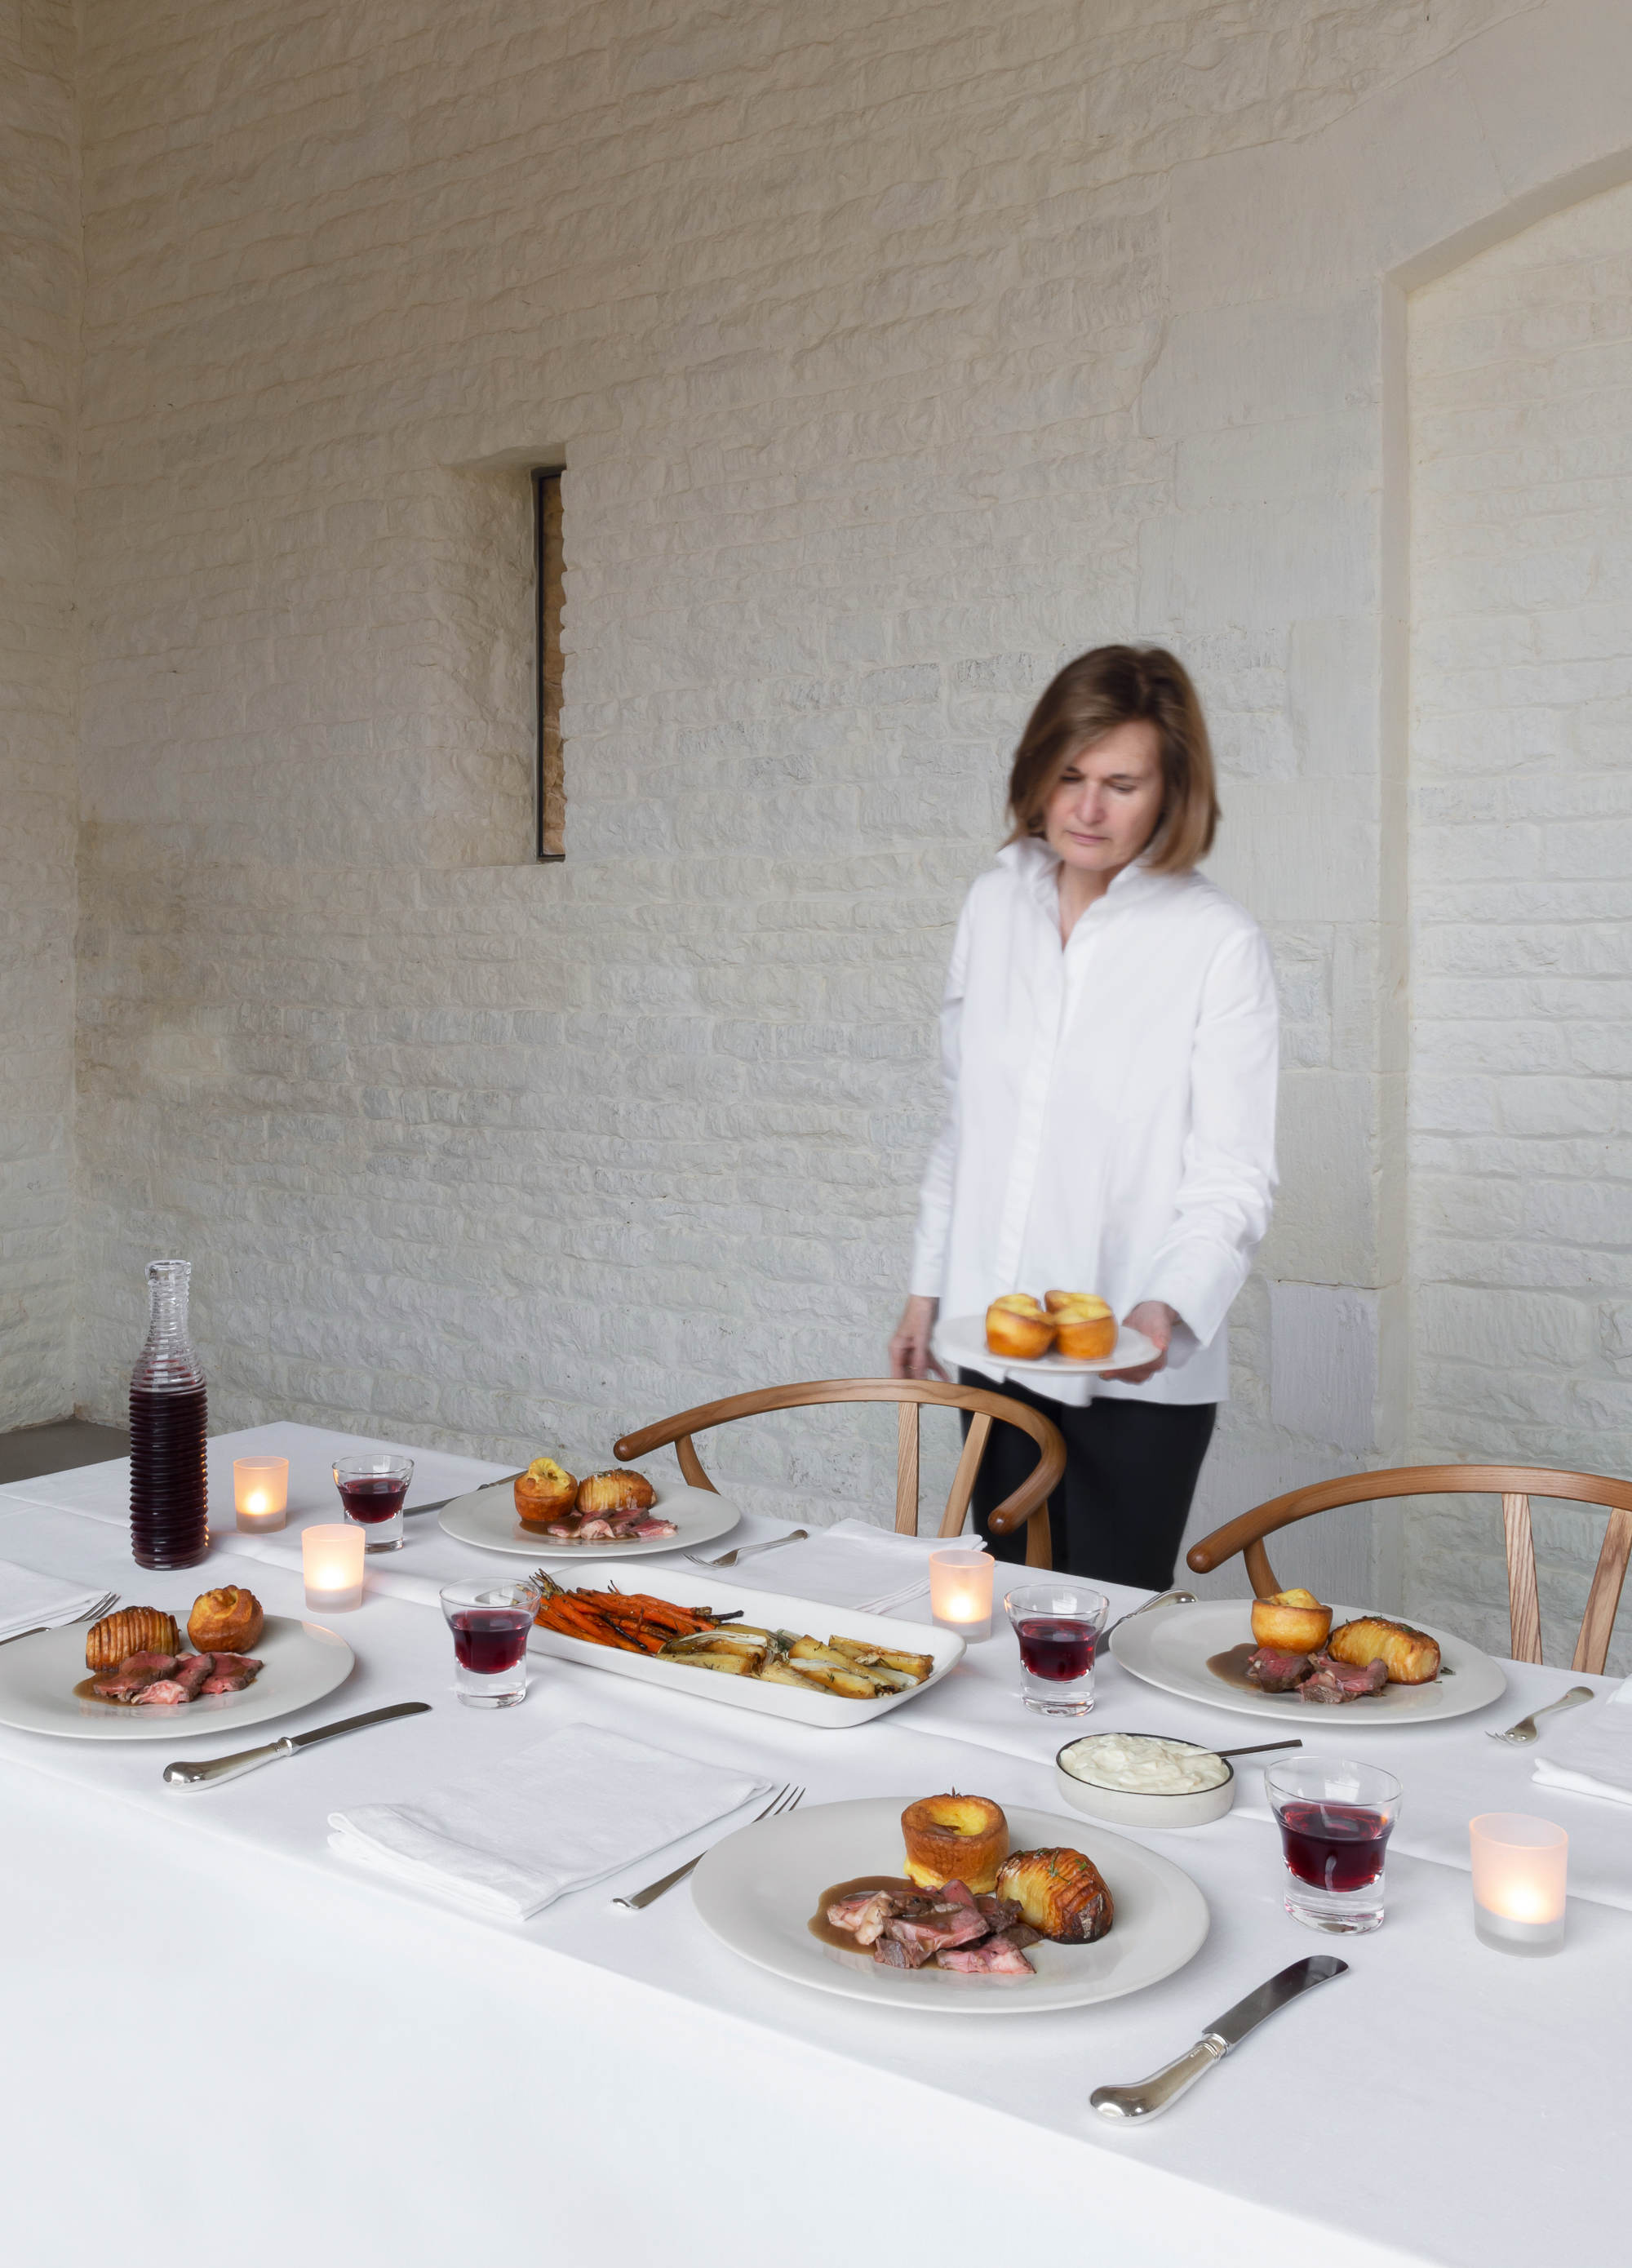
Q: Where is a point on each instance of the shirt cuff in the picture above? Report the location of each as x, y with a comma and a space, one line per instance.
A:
1198, 1292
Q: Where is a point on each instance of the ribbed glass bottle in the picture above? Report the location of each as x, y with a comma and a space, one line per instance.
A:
169, 1500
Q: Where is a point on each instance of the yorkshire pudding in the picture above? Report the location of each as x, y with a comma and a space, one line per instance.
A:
960, 1838
228, 1621
544, 1492
1018, 1327
1085, 1328
1295, 1621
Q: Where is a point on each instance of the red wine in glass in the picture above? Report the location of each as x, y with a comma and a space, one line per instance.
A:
488, 1640
1055, 1648
1335, 1846
372, 1500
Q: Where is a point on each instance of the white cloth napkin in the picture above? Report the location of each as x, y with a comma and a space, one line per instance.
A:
31, 1601
510, 1839
1591, 1752
852, 1564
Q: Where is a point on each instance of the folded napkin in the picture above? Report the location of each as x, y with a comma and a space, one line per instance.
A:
1591, 1752
852, 1564
510, 1839
31, 1601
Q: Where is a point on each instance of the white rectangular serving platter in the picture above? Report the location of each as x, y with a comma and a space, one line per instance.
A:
768, 1610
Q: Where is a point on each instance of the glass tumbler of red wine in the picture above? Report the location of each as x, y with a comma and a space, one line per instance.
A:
372, 1489
1335, 1817
1058, 1624
490, 1623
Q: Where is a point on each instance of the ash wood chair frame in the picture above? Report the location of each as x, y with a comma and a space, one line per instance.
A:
1515, 1485
1028, 1503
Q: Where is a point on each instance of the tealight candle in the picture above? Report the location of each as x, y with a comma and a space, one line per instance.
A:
1519, 1869
260, 1492
331, 1560
961, 1591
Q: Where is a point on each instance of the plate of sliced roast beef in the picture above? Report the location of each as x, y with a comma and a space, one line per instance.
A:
160, 1693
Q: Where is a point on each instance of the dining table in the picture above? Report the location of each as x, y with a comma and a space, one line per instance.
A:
226, 2041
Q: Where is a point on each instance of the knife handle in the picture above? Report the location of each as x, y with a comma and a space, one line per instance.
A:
220, 1768
1163, 2087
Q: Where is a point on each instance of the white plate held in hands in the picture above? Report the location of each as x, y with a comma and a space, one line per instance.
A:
960, 1344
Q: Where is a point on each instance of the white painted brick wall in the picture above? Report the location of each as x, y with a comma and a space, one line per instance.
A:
1521, 864
40, 305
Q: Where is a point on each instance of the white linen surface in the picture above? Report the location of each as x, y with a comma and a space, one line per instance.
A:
1590, 1752
852, 1564
29, 1600
511, 1839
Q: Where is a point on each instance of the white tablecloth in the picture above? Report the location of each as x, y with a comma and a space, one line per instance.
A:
398, 2081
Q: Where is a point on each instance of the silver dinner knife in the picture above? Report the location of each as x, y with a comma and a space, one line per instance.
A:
1167, 2086
411, 1511
246, 1760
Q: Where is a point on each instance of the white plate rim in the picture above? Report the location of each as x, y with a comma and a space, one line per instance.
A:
1477, 1679
461, 1510
961, 1340
748, 1853
260, 1704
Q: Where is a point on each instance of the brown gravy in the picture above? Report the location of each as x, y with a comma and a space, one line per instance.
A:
818, 1925
85, 1691
1230, 1667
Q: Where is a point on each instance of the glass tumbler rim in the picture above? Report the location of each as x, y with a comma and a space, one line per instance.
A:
1287, 1769
1031, 1598
382, 1465
485, 1591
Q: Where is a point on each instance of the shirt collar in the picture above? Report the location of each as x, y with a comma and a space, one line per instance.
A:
1037, 868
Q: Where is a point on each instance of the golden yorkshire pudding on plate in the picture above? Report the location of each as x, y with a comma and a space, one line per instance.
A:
133, 1630
1293, 1620
1018, 1327
544, 1492
227, 1620
955, 1838
617, 1491
1085, 1328
1061, 1893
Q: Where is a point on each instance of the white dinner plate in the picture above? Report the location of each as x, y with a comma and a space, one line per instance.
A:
487, 1518
304, 1661
1170, 1649
758, 1889
960, 1344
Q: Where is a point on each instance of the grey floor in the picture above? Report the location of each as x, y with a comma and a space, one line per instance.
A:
36, 1449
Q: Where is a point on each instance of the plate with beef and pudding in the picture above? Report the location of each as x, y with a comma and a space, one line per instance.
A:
1291, 1658
950, 1903
548, 1513
140, 1674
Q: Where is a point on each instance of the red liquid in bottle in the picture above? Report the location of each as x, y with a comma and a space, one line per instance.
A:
490, 1638
371, 1501
169, 1502
1335, 1846
1058, 1651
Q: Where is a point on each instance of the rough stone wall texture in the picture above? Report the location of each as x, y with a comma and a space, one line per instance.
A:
894, 355
39, 311
1521, 1138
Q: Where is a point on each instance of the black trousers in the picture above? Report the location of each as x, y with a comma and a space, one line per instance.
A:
1130, 1473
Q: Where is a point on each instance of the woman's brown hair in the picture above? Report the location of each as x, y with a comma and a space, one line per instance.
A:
1120, 685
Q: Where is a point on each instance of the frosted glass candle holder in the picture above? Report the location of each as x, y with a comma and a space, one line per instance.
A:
1520, 1866
331, 1558
260, 1493
961, 1591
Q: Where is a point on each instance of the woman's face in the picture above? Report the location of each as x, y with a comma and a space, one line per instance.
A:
1104, 806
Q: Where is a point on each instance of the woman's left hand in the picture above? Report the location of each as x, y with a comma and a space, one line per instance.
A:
1155, 1319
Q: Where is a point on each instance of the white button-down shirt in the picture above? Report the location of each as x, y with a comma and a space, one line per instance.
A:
1110, 1120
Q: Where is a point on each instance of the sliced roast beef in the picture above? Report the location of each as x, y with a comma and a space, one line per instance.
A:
133, 1674
999, 1912
998, 1957
649, 1528
161, 1694
191, 1671
1276, 1670
942, 1927
958, 1894
1337, 1681
863, 1915
894, 1954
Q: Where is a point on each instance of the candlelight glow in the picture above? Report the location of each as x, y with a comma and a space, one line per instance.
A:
260, 1492
331, 1560
1521, 1868
961, 1591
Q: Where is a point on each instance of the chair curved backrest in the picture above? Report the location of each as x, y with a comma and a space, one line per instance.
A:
1515, 1485
1029, 1502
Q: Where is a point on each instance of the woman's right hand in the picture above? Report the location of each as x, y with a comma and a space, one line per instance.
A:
909, 1348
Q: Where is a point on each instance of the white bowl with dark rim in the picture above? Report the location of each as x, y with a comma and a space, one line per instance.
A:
1144, 1807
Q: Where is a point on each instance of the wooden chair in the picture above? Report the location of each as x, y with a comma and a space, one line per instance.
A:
1029, 1502
1515, 1485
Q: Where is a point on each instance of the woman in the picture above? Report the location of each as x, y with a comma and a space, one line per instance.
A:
1109, 1045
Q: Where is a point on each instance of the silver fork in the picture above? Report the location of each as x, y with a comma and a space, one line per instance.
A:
1521, 1734
94, 1614
746, 1551
788, 1799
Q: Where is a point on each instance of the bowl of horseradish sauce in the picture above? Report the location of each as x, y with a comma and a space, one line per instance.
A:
1144, 1779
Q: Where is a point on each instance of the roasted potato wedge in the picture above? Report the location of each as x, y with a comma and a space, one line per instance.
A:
915, 1666
730, 1664
853, 1683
